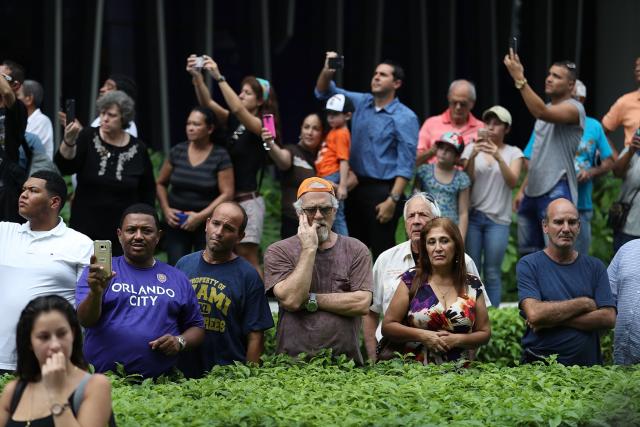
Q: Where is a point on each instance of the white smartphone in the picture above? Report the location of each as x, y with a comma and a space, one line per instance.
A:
102, 252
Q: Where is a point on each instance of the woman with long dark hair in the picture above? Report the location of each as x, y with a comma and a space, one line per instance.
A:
51, 370
243, 121
440, 312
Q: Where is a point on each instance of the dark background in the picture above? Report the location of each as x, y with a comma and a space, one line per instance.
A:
435, 41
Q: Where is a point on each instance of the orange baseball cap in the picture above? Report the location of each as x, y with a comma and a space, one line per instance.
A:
315, 185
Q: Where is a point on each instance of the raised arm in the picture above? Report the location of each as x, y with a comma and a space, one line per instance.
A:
90, 309
563, 112
293, 291
281, 157
251, 122
202, 92
326, 74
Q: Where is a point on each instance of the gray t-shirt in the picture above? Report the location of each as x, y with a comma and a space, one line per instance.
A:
553, 152
630, 185
346, 267
490, 194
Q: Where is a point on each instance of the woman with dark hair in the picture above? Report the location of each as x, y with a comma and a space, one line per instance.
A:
297, 161
440, 313
113, 169
51, 370
201, 177
243, 121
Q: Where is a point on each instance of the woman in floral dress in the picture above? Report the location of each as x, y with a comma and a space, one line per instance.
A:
440, 313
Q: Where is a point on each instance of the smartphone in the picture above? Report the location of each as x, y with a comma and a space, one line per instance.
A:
102, 252
182, 217
513, 44
199, 62
336, 63
70, 109
269, 122
483, 134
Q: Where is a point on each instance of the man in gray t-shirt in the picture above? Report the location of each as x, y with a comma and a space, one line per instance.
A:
323, 281
558, 129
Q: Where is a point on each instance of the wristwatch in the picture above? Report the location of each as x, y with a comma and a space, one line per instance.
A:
312, 304
182, 342
519, 84
221, 79
57, 409
395, 197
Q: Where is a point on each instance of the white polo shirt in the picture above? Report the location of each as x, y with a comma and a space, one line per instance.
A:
386, 276
32, 264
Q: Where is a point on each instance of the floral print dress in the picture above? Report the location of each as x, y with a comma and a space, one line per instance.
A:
427, 312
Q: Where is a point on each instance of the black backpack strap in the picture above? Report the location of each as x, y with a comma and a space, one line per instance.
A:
21, 385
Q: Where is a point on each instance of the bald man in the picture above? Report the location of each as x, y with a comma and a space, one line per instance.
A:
564, 295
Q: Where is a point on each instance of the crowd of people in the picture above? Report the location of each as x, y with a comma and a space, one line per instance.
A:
337, 269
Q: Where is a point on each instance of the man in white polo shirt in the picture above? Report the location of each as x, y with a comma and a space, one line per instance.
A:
390, 265
41, 257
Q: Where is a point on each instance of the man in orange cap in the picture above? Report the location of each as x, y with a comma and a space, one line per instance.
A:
322, 280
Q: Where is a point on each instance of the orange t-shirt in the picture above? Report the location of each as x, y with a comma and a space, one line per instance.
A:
625, 112
335, 148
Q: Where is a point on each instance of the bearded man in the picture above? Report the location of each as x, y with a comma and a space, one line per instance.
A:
322, 280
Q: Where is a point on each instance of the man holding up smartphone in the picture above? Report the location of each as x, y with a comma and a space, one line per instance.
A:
383, 152
558, 129
144, 312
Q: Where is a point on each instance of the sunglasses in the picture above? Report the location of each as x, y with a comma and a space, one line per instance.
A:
311, 212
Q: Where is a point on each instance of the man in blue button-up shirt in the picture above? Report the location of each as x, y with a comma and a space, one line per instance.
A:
383, 152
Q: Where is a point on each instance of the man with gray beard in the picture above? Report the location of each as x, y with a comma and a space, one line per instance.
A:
322, 280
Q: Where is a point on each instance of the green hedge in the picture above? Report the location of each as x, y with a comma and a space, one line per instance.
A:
333, 391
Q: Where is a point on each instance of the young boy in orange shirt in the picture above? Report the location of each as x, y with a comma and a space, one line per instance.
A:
333, 158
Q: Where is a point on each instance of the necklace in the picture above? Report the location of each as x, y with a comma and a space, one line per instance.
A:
439, 293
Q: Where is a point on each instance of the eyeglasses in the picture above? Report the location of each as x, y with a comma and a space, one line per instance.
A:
311, 212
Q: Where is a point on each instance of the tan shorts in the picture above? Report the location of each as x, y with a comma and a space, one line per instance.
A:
255, 212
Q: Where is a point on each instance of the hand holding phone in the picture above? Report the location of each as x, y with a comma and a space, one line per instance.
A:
70, 110
513, 45
269, 123
102, 252
336, 63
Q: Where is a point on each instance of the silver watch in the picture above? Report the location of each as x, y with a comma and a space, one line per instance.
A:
182, 342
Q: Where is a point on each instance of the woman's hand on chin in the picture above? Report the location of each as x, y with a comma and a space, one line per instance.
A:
54, 374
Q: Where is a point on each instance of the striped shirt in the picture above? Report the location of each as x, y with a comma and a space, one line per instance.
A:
624, 278
194, 187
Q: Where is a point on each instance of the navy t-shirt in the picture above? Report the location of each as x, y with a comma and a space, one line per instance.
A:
233, 303
139, 306
541, 278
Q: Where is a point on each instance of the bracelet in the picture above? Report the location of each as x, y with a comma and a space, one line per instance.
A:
64, 141
519, 84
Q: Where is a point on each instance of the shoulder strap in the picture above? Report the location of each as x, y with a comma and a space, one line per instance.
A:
78, 393
17, 394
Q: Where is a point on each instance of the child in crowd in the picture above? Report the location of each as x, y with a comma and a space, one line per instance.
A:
333, 158
445, 182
